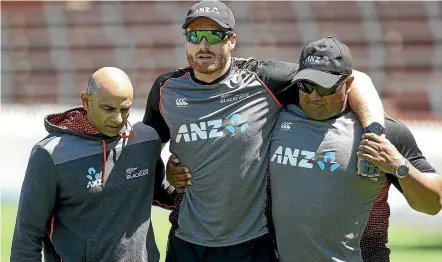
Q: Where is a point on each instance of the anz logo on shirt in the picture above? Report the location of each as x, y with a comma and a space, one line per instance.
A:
94, 178
211, 129
305, 159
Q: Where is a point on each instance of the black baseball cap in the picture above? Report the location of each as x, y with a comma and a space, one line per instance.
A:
215, 10
325, 62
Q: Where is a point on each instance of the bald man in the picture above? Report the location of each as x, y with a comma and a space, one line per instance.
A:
90, 183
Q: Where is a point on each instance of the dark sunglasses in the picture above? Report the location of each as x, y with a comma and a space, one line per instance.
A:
308, 87
212, 36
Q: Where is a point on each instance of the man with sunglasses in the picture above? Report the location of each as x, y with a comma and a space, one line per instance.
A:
218, 114
322, 210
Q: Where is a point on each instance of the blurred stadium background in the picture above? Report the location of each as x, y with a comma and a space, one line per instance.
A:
50, 49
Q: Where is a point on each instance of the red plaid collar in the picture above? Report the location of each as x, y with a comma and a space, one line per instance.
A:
74, 120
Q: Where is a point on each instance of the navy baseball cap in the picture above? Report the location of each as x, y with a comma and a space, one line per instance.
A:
215, 10
325, 62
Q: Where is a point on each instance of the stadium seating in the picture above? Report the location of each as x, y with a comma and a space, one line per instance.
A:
49, 49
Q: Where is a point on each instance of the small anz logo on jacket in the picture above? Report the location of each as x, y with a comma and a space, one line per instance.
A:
95, 179
131, 172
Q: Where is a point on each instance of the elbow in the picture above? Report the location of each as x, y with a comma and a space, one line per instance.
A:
364, 85
428, 201
362, 77
438, 208
427, 206
431, 210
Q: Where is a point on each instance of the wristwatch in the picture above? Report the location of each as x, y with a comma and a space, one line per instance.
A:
402, 170
375, 128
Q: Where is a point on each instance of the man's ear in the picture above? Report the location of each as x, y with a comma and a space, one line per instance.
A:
85, 101
232, 41
349, 83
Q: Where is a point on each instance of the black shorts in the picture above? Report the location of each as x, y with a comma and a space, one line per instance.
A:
260, 249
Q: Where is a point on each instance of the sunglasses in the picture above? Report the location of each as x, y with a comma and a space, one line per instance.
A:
212, 36
308, 87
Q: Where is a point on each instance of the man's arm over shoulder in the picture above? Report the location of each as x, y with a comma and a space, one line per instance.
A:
276, 75
37, 199
152, 114
364, 100
423, 187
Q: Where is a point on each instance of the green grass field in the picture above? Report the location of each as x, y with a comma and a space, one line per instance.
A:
407, 245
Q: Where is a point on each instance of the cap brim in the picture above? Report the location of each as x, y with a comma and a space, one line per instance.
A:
190, 20
320, 78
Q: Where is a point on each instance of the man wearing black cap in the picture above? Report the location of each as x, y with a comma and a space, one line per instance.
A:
218, 114
322, 210
215, 10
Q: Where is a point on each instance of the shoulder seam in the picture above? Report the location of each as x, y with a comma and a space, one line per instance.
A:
46, 150
263, 84
52, 159
160, 106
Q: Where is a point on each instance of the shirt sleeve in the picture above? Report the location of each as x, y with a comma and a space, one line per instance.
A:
276, 75
402, 138
37, 199
152, 115
164, 194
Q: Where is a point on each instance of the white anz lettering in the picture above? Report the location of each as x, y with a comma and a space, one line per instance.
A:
308, 156
199, 131
277, 154
183, 132
216, 124
317, 60
291, 156
206, 9
94, 183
